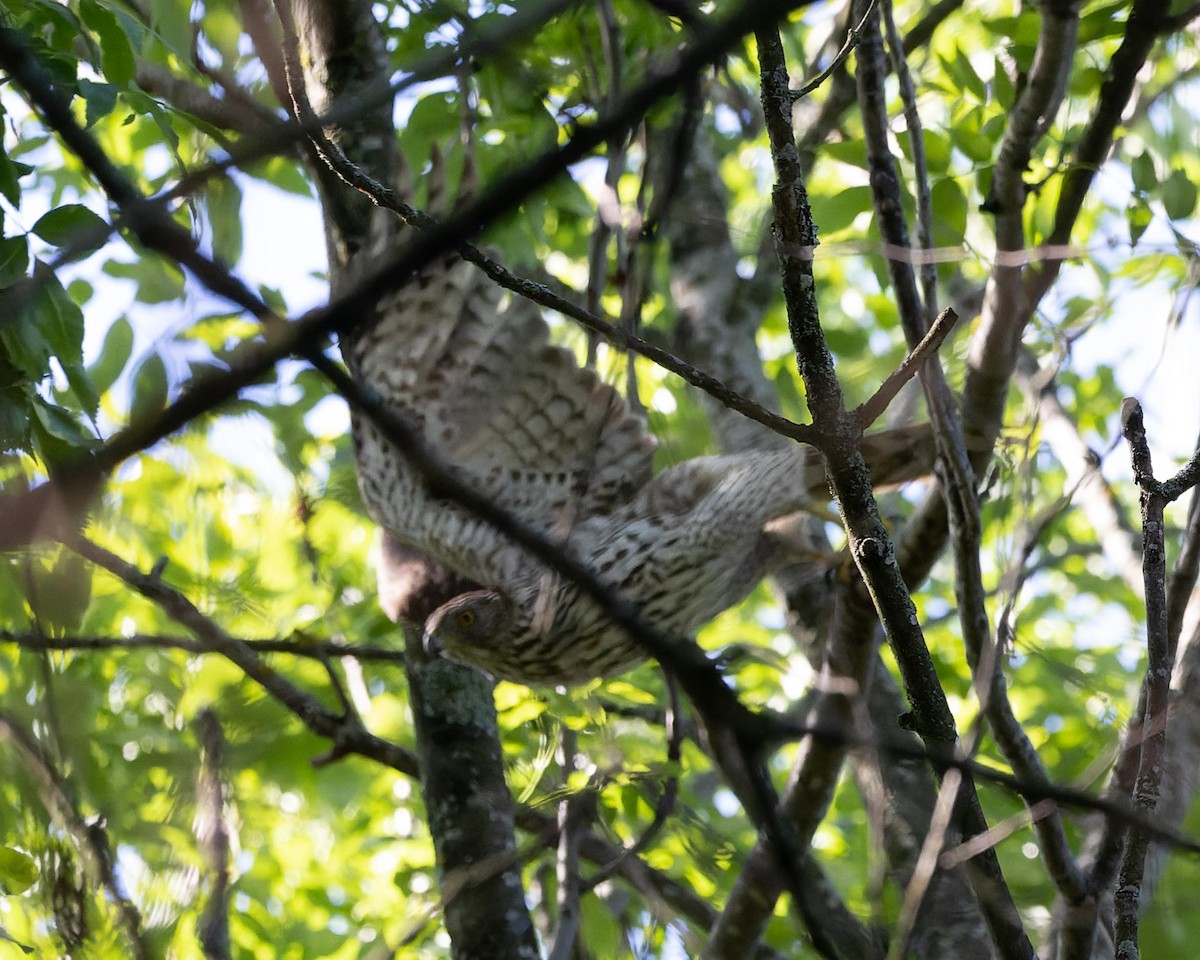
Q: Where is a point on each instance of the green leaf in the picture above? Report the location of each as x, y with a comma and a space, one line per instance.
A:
1006, 94
10, 172
57, 316
85, 391
14, 260
148, 106
937, 151
1138, 215
63, 29
57, 436
949, 212
74, 227
1022, 30
960, 70
18, 871
1179, 195
284, 173
1142, 170
158, 281
23, 342
15, 406
853, 152
223, 200
221, 331
838, 211
968, 135
1102, 22
101, 99
149, 389
114, 354
116, 54
171, 26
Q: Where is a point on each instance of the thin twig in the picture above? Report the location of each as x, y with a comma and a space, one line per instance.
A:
852, 38
916, 139
298, 646
927, 863
870, 411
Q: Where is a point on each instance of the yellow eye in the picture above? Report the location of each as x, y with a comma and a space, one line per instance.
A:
465, 618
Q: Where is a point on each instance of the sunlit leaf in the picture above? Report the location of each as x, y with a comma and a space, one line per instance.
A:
18, 871
115, 51
223, 201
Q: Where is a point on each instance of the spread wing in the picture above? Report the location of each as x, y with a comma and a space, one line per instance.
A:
520, 420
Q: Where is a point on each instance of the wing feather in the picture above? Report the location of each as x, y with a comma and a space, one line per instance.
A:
516, 415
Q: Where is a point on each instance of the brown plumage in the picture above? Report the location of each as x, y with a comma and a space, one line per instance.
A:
548, 441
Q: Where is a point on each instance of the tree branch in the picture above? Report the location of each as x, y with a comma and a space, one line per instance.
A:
870, 544
211, 828
347, 733
1155, 496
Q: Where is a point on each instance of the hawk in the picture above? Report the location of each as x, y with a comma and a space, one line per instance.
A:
521, 421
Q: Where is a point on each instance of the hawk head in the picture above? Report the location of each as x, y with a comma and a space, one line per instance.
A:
468, 627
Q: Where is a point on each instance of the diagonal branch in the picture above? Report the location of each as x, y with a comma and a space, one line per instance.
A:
870, 411
347, 733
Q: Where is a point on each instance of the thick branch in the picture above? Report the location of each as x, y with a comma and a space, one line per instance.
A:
957, 480
1158, 682
870, 544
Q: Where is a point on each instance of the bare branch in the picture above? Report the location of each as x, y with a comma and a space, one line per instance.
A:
916, 138
1158, 680
297, 647
348, 736
867, 413
869, 542
922, 876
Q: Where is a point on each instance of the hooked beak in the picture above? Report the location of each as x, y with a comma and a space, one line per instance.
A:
431, 645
